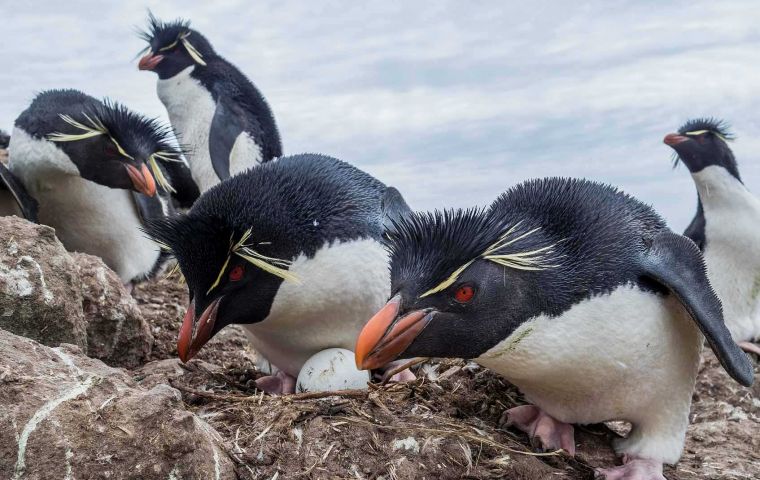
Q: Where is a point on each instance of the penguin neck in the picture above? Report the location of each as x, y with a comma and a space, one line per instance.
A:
191, 110
717, 188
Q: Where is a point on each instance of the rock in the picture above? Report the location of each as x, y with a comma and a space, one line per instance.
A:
64, 415
40, 293
54, 297
117, 333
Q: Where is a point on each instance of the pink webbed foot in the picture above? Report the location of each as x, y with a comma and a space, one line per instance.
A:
633, 469
750, 347
387, 375
542, 429
279, 384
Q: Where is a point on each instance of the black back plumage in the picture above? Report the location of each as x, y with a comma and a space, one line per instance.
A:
595, 230
5, 139
295, 205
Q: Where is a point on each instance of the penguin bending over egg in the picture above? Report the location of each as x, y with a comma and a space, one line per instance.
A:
726, 226
93, 167
293, 250
577, 294
213, 107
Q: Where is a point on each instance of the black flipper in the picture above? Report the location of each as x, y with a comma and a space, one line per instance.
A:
26, 202
696, 229
393, 207
181, 180
226, 126
675, 262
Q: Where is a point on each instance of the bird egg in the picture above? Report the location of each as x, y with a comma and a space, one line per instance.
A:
330, 370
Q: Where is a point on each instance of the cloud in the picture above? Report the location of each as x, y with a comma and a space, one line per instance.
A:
451, 102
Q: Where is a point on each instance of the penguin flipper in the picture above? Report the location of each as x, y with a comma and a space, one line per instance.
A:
27, 203
226, 126
393, 207
187, 191
675, 262
696, 229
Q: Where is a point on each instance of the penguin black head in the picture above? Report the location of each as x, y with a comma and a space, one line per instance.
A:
173, 47
234, 254
461, 281
116, 147
701, 143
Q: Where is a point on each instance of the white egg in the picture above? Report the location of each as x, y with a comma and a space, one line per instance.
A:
330, 370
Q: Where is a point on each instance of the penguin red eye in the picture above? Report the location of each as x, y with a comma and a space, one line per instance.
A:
464, 294
110, 149
236, 274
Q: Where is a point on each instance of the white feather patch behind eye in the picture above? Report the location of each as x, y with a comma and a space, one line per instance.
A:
534, 260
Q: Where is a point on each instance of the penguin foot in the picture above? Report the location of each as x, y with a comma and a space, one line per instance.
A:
544, 431
279, 384
750, 347
633, 469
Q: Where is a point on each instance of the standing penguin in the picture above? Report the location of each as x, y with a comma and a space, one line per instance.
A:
214, 109
293, 250
726, 226
98, 170
576, 293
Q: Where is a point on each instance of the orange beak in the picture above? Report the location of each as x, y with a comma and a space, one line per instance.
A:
384, 337
142, 179
149, 61
187, 344
673, 139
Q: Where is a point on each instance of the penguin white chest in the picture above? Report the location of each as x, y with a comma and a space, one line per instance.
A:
191, 110
629, 355
341, 287
87, 217
732, 248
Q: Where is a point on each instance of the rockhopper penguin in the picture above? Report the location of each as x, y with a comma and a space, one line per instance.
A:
14, 199
726, 226
98, 170
293, 250
573, 291
214, 109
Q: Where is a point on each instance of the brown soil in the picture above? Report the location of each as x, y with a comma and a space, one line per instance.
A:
444, 425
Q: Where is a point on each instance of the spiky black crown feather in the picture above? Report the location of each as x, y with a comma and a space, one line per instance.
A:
160, 32
714, 125
133, 130
433, 248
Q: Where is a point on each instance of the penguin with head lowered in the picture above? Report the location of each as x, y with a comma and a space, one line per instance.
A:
213, 107
726, 226
576, 293
293, 250
97, 171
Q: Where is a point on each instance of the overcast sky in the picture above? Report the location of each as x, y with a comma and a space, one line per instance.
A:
452, 102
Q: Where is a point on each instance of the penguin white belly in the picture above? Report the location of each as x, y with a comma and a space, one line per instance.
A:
245, 153
342, 286
732, 248
87, 217
191, 109
631, 355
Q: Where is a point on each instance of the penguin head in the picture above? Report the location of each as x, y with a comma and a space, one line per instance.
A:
461, 282
116, 147
173, 47
234, 255
701, 143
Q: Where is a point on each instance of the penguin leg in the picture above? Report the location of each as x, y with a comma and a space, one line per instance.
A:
750, 347
543, 429
633, 469
278, 384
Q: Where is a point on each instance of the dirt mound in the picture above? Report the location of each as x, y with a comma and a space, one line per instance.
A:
444, 425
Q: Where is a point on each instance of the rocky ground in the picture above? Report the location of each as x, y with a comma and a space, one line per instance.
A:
65, 415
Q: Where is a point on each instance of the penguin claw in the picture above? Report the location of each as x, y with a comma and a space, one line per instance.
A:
544, 431
632, 469
750, 347
279, 384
